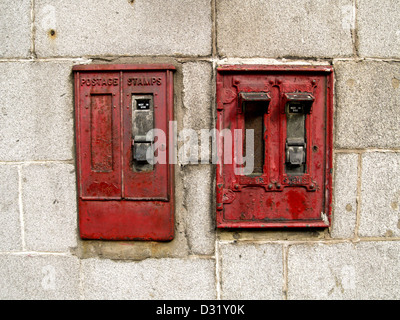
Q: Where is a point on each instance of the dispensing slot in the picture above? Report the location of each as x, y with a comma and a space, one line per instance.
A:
255, 105
297, 106
142, 140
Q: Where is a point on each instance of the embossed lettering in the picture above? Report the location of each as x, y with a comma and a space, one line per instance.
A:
99, 82
295, 180
144, 81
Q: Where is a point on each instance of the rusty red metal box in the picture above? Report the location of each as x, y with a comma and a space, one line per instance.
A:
121, 196
288, 110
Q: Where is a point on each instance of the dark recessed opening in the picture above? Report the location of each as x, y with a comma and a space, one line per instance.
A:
254, 120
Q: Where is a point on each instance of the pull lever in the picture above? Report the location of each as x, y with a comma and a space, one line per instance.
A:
140, 145
295, 152
142, 123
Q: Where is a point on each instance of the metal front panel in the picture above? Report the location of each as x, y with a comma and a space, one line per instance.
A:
98, 135
294, 187
121, 195
141, 179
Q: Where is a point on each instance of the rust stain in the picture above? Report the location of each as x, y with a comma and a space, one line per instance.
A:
389, 233
395, 83
52, 34
349, 207
350, 82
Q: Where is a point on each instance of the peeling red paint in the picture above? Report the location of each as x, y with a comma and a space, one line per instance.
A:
276, 198
117, 202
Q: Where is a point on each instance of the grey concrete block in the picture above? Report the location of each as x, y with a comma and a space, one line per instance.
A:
345, 196
49, 204
367, 100
380, 195
276, 28
10, 231
198, 202
194, 138
36, 111
173, 279
253, 272
365, 270
379, 28
197, 94
15, 29
38, 277
120, 27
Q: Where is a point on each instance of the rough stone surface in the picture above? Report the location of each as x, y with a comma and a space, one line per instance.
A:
197, 77
173, 279
265, 28
38, 277
49, 205
15, 29
252, 272
197, 95
197, 183
10, 231
379, 28
120, 27
197, 180
380, 195
367, 100
36, 111
345, 196
366, 270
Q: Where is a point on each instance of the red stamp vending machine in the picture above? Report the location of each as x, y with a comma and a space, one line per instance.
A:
125, 182
278, 172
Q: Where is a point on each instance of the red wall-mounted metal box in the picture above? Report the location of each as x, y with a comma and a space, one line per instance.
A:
121, 195
288, 110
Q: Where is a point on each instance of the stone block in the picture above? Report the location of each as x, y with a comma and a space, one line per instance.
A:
166, 279
49, 205
15, 29
251, 271
378, 28
380, 195
344, 271
36, 108
198, 202
120, 27
367, 100
194, 139
276, 28
345, 196
10, 231
39, 277
197, 95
